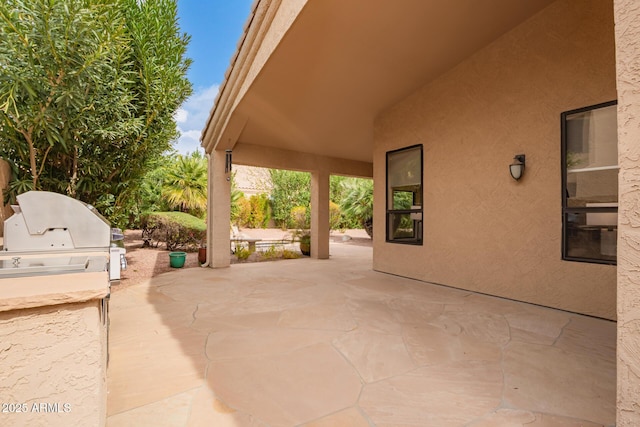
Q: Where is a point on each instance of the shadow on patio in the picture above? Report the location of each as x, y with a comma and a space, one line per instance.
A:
332, 343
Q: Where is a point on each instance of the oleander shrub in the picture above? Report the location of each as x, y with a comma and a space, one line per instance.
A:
176, 230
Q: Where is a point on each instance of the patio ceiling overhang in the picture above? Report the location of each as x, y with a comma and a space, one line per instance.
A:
340, 63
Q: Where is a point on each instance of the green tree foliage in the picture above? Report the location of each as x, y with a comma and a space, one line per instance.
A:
357, 202
335, 216
301, 221
353, 197
299, 216
290, 189
243, 212
260, 211
88, 91
185, 184
149, 197
252, 212
236, 196
336, 187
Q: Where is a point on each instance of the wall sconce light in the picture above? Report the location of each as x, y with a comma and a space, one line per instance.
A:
227, 161
517, 167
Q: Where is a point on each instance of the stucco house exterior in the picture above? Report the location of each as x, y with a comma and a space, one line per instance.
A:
252, 180
434, 101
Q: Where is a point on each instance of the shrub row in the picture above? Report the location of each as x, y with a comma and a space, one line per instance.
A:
177, 230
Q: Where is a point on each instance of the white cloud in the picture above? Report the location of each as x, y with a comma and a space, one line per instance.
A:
181, 115
192, 116
192, 134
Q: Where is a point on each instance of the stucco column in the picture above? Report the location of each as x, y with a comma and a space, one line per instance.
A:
627, 28
320, 214
218, 212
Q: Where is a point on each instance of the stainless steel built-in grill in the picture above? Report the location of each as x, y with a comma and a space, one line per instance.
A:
46, 224
54, 263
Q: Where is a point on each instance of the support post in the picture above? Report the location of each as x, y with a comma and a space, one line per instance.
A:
320, 214
219, 212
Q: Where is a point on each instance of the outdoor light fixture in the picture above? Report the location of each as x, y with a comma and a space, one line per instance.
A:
227, 163
517, 167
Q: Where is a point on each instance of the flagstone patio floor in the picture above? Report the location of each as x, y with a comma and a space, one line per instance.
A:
319, 343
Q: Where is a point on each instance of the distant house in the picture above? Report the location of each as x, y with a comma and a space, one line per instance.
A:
436, 100
252, 180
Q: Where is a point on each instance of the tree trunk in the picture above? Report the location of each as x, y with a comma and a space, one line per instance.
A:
32, 159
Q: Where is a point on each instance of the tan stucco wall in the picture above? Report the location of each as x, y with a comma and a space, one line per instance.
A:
53, 366
5, 211
627, 17
483, 231
275, 158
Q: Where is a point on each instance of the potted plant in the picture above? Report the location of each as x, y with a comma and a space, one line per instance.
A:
202, 253
300, 219
305, 243
177, 259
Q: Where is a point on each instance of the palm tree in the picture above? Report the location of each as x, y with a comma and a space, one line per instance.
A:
358, 202
185, 185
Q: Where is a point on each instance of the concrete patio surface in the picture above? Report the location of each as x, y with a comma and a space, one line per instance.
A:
320, 343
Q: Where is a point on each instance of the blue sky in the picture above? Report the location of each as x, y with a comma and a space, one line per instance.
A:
215, 26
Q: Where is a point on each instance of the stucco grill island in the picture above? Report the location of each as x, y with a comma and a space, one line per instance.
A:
54, 291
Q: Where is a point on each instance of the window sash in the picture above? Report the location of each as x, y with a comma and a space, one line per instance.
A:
404, 189
589, 184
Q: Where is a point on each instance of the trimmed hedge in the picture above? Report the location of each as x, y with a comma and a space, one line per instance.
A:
177, 230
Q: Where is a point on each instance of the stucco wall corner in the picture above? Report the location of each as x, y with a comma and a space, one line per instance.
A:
627, 32
628, 409
629, 349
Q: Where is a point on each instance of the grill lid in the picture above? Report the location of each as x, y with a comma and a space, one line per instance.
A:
46, 221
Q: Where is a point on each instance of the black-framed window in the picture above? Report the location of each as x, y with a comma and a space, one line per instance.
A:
404, 195
590, 184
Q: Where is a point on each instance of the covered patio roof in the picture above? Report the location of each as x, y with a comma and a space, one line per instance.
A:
314, 81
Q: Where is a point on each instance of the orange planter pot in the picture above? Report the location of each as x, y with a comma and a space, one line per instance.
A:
202, 255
